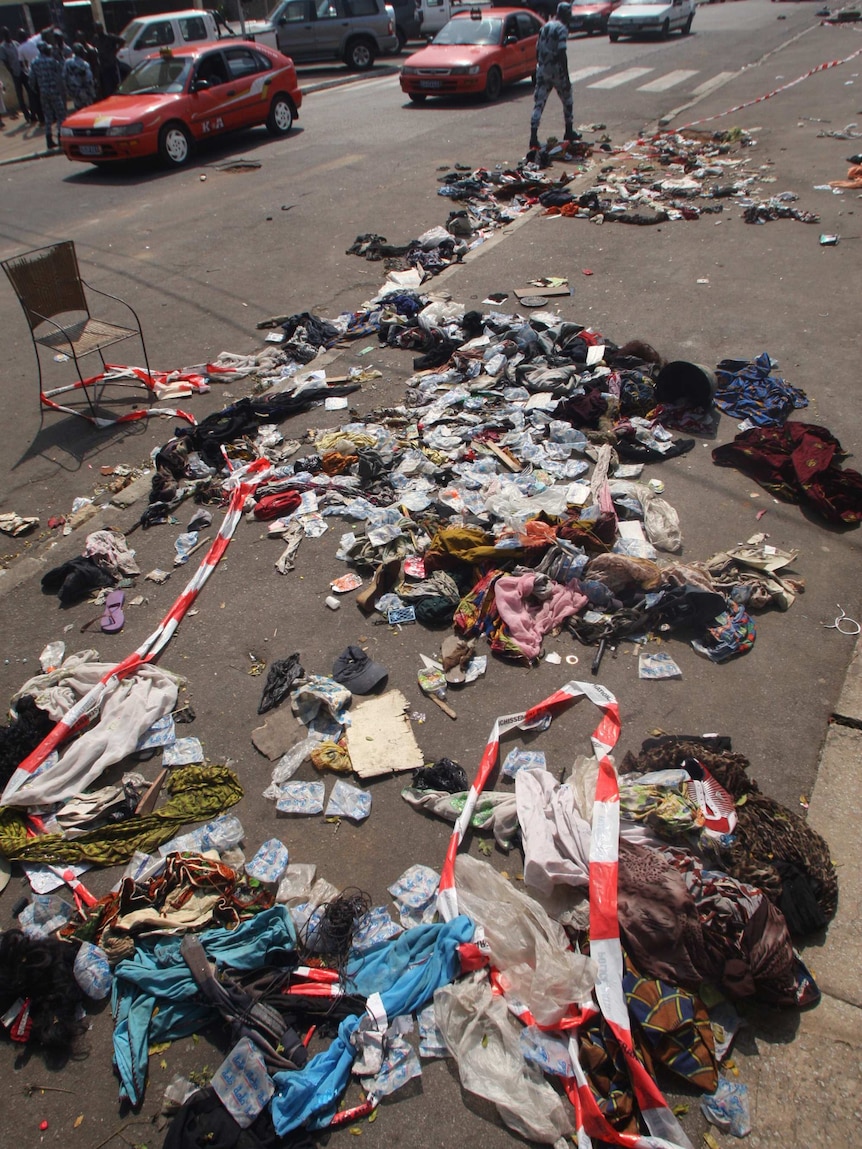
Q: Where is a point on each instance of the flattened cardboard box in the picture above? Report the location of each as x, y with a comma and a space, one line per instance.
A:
380, 738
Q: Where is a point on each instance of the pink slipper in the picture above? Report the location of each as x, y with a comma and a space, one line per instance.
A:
113, 619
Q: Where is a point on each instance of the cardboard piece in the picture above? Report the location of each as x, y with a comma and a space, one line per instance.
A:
546, 291
380, 738
277, 734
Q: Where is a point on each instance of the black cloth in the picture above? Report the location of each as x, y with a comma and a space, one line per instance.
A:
75, 579
204, 1123
279, 682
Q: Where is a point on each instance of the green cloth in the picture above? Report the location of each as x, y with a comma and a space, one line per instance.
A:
197, 793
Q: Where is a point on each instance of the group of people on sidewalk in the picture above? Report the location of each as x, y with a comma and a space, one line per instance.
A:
48, 73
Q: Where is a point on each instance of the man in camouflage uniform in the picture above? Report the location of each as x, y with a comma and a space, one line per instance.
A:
552, 72
46, 79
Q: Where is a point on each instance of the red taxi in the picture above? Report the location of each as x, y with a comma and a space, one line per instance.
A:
476, 53
174, 99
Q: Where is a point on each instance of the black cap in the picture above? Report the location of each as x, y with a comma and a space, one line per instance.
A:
355, 670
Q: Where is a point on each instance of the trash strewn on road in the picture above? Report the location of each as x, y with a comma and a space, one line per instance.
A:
510, 505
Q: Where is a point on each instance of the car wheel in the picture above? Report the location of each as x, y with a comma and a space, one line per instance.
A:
686, 28
665, 30
494, 84
360, 54
175, 144
417, 97
280, 118
613, 37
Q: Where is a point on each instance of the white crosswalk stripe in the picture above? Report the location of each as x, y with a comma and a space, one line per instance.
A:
708, 85
621, 78
585, 73
668, 81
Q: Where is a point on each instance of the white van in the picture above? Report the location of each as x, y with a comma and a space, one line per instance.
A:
148, 34
435, 13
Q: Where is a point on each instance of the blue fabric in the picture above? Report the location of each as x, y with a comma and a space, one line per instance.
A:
405, 972
751, 391
158, 976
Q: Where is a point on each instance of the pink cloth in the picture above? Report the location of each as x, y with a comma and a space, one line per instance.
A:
528, 620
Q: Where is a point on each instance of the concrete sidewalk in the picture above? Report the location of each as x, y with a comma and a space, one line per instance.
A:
20, 141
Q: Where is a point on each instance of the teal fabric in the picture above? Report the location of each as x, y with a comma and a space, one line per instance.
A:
405, 972
158, 976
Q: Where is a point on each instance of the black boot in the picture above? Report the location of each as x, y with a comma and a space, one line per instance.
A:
570, 135
49, 140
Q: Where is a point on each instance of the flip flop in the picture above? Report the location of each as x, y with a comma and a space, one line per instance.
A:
113, 619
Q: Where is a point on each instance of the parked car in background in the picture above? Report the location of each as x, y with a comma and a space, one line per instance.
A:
435, 15
174, 99
651, 17
313, 31
592, 16
476, 53
147, 34
544, 8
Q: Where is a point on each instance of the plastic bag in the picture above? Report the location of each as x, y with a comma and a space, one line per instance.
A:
374, 927
93, 971
269, 863
728, 1108
527, 947
301, 798
289, 763
348, 801
415, 894
484, 1039
519, 759
661, 522
297, 882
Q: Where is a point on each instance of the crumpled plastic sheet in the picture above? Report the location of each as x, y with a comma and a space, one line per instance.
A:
483, 1037
530, 950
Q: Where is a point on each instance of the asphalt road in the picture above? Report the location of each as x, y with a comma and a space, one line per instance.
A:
205, 259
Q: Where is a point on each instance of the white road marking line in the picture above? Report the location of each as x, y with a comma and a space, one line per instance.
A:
715, 82
669, 81
621, 78
585, 73
383, 82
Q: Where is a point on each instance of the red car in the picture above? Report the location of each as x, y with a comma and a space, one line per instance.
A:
592, 16
475, 53
178, 97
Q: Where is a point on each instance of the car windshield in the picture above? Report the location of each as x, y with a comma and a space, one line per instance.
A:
130, 32
158, 75
467, 31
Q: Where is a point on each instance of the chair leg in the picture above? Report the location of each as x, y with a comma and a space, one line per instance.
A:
41, 386
147, 365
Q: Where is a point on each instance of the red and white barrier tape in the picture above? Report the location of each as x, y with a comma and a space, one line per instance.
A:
665, 1132
774, 92
241, 483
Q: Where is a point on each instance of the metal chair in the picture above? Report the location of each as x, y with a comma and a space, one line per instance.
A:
51, 292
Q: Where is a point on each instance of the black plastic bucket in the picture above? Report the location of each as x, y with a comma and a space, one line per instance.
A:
688, 384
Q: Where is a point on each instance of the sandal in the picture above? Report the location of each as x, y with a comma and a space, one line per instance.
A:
113, 620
